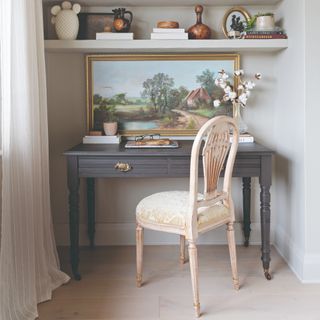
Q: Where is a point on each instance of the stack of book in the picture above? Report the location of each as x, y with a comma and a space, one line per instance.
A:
244, 138
101, 139
168, 34
114, 36
272, 34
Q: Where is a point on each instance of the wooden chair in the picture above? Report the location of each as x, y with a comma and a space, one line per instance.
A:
189, 213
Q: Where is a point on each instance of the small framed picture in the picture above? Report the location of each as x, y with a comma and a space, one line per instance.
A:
235, 21
91, 23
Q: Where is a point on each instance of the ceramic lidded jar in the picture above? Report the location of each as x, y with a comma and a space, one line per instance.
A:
66, 20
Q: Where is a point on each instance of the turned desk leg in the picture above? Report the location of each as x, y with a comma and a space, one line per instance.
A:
91, 210
246, 196
265, 213
73, 186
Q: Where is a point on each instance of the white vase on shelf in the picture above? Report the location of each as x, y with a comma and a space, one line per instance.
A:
66, 21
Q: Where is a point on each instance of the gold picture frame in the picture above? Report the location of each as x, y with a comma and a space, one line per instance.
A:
242, 13
156, 93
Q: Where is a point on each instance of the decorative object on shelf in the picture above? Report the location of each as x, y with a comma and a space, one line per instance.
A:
122, 20
266, 30
92, 23
235, 22
65, 19
168, 24
238, 96
199, 30
150, 93
265, 21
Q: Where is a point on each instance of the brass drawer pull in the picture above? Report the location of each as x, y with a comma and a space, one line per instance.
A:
123, 167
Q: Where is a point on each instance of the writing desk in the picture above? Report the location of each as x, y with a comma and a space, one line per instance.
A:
92, 161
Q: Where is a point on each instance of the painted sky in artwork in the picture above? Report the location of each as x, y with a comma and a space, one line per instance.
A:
112, 77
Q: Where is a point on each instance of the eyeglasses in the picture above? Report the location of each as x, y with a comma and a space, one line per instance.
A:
146, 137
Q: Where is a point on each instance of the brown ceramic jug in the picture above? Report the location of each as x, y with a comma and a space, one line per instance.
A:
199, 30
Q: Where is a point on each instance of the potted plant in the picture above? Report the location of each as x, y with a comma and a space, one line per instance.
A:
262, 22
110, 124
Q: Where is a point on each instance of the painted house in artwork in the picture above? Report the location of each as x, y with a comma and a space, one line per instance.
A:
197, 96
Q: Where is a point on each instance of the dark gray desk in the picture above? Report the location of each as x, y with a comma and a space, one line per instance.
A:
98, 160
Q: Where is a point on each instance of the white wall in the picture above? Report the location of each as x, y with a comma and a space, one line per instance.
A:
311, 268
289, 129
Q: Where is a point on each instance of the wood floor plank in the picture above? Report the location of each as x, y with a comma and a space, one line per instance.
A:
108, 291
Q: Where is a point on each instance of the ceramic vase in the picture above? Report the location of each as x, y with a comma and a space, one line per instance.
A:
66, 20
110, 128
265, 23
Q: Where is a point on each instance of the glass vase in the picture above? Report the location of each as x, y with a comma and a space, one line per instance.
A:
242, 126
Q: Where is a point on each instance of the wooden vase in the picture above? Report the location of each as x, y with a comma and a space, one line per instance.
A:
199, 30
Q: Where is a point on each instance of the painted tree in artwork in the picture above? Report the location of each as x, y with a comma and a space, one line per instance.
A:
206, 80
157, 90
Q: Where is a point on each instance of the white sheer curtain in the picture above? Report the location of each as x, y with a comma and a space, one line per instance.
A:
29, 266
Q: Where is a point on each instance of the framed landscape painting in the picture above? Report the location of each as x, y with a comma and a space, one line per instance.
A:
156, 93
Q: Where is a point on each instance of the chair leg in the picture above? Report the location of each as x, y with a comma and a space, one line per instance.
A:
182, 248
233, 255
139, 248
193, 259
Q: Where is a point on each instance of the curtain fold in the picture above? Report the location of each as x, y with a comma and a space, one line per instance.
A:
29, 265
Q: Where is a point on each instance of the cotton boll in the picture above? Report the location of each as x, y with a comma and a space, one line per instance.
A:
216, 103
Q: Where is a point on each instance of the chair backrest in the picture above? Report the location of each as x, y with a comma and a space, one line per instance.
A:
217, 151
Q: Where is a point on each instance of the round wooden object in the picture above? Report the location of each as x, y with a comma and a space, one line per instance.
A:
168, 24
199, 30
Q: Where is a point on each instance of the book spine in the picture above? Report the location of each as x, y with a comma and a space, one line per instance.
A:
113, 36
266, 36
169, 36
168, 30
244, 139
264, 32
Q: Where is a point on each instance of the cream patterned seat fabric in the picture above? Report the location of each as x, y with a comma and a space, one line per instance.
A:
170, 209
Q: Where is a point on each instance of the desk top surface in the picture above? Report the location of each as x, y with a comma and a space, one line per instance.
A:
183, 150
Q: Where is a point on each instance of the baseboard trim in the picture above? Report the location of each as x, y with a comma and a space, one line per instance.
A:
289, 251
124, 234
311, 268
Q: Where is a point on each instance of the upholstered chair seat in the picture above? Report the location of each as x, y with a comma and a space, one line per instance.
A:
171, 208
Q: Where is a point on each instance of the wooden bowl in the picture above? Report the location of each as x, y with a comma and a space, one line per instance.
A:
168, 24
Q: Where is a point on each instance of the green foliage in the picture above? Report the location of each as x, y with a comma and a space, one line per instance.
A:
168, 121
157, 90
208, 113
206, 80
191, 125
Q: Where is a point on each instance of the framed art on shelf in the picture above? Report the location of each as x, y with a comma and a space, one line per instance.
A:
235, 21
168, 94
91, 23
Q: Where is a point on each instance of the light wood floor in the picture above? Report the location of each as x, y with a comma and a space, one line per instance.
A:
107, 289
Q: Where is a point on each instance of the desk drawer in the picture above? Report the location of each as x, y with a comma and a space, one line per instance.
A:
135, 166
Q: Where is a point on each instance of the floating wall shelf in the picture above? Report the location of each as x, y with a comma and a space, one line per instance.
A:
125, 46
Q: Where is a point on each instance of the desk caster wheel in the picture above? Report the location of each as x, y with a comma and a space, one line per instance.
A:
267, 274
